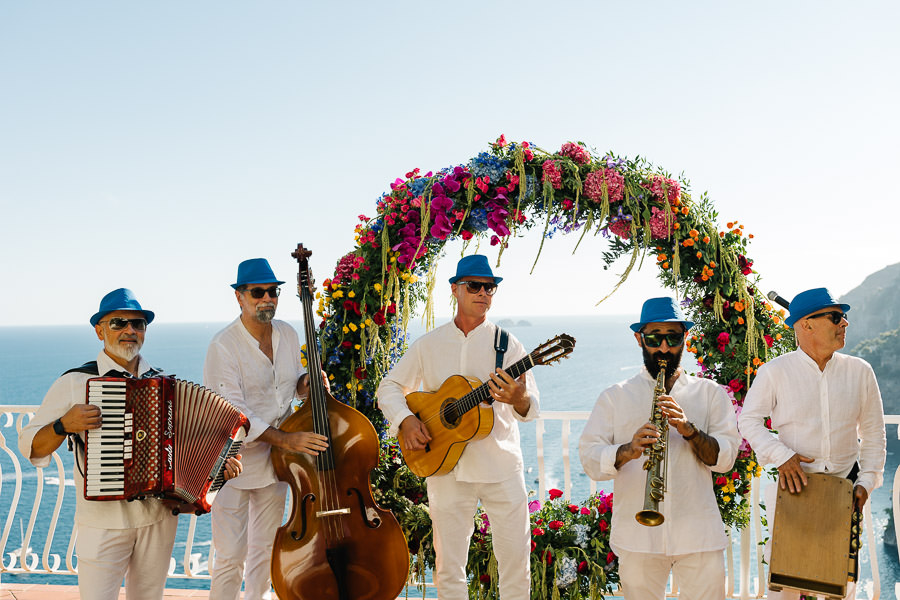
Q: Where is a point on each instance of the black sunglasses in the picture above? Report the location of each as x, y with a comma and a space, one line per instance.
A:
120, 323
259, 292
476, 286
835, 315
655, 340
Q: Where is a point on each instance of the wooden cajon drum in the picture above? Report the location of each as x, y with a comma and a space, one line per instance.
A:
811, 537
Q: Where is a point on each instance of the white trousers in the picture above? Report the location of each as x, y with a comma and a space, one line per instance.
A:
452, 505
141, 556
771, 495
700, 575
244, 523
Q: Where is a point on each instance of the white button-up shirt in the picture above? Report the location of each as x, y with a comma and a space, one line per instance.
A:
833, 416
447, 351
66, 392
240, 372
692, 521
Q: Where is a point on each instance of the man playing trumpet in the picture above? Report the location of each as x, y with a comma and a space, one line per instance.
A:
688, 536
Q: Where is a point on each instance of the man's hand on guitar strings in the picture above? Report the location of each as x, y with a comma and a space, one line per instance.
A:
415, 434
507, 390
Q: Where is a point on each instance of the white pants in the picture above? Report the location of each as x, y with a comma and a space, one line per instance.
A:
452, 505
771, 495
141, 556
244, 523
700, 575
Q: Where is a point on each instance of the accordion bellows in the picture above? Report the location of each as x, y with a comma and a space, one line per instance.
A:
160, 437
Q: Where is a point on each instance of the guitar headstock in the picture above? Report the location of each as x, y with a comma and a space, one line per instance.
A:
553, 350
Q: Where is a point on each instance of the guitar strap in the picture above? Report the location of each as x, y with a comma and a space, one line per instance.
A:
501, 341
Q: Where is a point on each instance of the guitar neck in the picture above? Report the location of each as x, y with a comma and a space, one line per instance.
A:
483, 392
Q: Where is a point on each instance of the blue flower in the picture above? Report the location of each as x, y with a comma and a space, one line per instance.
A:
488, 165
478, 219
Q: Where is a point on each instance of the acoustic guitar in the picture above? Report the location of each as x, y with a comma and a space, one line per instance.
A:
459, 412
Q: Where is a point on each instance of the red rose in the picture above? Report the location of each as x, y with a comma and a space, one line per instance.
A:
573, 508
583, 567
720, 480
548, 557
485, 578
603, 525
610, 557
769, 340
533, 545
555, 525
537, 531
735, 475
555, 493
585, 510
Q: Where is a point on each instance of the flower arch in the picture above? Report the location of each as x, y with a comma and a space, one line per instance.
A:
500, 193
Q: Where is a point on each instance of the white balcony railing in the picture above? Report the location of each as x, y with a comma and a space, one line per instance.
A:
38, 555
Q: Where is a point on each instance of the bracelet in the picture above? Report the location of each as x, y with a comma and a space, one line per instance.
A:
688, 438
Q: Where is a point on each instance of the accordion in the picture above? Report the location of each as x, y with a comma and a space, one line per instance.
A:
161, 437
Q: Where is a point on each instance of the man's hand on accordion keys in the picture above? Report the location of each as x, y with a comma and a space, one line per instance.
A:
233, 467
81, 417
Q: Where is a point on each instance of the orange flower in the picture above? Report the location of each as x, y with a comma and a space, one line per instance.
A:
699, 254
739, 306
705, 239
688, 242
694, 233
721, 234
740, 320
777, 336
756, 361
750, 235
676, 226
730, 225
684, 210
748, 370
661, 258
712, 264
665, 265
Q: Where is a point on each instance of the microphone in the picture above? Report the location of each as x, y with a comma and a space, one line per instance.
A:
774, 297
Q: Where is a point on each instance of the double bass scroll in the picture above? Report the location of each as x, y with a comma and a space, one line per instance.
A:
337, 543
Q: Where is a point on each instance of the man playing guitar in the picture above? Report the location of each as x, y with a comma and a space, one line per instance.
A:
490, 470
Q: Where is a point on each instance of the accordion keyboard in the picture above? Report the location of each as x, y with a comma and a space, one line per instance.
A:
110, 446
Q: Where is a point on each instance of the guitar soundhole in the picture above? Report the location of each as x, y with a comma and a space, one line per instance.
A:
450, 415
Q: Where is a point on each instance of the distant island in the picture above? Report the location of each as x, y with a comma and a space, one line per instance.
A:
513, 323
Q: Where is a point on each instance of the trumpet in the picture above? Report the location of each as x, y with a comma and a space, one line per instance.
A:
657, 462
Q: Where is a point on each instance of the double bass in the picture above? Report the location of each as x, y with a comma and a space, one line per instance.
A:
337, 544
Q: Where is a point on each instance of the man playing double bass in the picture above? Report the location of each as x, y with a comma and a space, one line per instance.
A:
826, 407
255, 364
490, 470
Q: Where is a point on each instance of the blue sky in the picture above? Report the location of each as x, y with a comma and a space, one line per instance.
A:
156, 145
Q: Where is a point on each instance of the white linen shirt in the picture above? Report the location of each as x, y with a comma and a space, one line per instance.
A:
447, 351
263, 390
66, 392
692, 521
833, 416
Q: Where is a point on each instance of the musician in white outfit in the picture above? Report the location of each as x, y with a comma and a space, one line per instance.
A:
115, 539
703, 438
490, 469
826, 407
255, 364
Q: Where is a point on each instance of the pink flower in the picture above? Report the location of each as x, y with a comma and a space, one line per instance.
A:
665, 189
612, 179
621, 228
467, 235
534, 506
552, 174
567, 204
585, 510
554, 493
501, 141
660, 224
576, 152
722, 340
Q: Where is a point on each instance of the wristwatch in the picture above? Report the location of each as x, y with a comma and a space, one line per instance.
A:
693, 434
58, 428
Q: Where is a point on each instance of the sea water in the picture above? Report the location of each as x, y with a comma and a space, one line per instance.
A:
31, 358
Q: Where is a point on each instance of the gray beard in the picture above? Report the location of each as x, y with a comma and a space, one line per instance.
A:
265, 315
126, 353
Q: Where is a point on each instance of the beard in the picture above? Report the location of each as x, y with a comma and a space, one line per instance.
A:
265, 313
672, 358
126, 352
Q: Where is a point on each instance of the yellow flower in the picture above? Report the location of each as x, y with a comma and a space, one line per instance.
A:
356, 346
413, 279
331, 377
352, 326
726, 499
303, 361
351, 294
345, 329
377, 287
369, 322
349, 387
337, 294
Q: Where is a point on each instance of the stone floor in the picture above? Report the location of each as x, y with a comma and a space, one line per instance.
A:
31, 591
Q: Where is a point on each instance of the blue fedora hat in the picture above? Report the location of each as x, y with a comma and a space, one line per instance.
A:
661, 310
120, 299
810, 301
475, 265
255, 270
